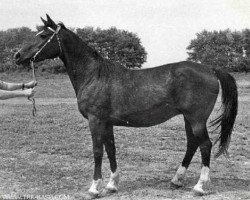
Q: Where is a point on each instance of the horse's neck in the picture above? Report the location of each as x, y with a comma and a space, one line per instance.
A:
80, 65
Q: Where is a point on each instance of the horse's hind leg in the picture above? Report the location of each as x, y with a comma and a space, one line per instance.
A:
192, 146
197, 135
205, 145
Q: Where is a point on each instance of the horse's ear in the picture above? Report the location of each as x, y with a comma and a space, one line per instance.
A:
44, 21
50, 22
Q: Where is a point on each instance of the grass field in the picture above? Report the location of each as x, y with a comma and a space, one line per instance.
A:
50, 156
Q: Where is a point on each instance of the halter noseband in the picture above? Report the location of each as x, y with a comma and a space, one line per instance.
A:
48, 41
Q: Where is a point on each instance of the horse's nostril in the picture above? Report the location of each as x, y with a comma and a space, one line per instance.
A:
17, 55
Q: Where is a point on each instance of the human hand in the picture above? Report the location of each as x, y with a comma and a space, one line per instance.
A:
29, 92
30, 84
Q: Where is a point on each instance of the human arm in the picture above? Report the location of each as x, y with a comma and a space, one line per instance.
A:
30, 84
10, 86
17, 93
16, 86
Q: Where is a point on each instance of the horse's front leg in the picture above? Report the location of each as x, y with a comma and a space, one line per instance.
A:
109, 143
97, 129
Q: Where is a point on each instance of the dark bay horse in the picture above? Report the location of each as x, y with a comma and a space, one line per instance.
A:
110, 95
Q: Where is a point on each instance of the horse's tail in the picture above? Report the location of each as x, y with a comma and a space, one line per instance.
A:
229, 110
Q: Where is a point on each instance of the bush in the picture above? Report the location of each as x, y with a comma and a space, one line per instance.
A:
54, 66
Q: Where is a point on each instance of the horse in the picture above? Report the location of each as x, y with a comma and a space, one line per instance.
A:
109, 94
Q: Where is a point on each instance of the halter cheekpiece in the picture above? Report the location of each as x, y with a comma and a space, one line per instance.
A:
55, 32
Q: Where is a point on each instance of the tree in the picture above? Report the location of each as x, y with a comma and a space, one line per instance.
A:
225, 49
246, 42
116, 45
13, 39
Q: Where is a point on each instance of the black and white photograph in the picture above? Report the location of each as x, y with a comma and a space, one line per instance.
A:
124, 99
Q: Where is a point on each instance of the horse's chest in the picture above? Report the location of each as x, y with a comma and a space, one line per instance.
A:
82, 107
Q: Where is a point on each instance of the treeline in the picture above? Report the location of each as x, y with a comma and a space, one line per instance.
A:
116, 45
225, 49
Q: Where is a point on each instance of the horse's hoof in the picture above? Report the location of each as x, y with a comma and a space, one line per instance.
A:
203, 193
108, 192
86, 196
175, 185
199, 192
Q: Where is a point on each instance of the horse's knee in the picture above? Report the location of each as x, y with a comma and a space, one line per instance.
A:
110, 148
98, 153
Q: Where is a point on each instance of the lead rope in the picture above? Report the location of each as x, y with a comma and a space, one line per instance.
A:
32, 99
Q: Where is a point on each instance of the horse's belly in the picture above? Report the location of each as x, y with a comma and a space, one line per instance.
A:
148, 117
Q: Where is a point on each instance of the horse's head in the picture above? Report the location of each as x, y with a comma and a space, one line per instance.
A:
46, 44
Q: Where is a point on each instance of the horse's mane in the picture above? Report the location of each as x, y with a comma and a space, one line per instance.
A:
105, 66
89, 49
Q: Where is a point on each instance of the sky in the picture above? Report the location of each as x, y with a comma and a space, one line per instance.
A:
165, 27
